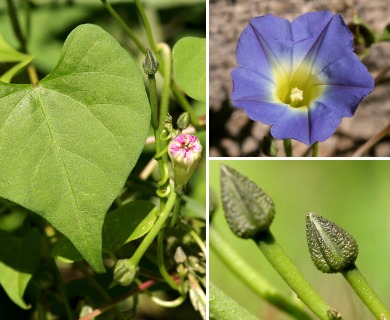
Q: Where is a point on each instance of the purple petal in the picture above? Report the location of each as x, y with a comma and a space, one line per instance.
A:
250, 86
320, 38
292, 124
343, 100
323, 122
268, 113
316, 45
348, 71
307, 125
261, 44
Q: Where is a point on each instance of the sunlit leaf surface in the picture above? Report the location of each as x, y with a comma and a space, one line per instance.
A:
69, 143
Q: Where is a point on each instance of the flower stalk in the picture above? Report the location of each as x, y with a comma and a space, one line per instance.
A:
146, 24
161, 264
357, 281
287, 147
252, 278
293, 277
124, 26
132, 263
150, 66
249, 212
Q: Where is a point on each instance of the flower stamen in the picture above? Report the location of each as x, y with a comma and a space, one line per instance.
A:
296, 96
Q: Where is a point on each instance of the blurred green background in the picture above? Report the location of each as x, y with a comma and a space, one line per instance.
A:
353, 194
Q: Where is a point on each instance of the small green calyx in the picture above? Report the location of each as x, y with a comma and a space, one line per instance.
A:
332, 249
124, 272
183, 121
150, 64
249, 211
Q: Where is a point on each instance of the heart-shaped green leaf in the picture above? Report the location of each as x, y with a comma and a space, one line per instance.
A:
69, 143
19, 257
125, 224
189, 66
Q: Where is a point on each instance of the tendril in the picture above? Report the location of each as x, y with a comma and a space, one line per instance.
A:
163, 193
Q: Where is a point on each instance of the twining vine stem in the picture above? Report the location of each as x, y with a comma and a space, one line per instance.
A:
181, 99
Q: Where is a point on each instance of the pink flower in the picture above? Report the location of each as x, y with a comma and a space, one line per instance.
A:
185, 152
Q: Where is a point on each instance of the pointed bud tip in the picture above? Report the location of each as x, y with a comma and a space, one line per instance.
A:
249, 211
150, 63
332, 249
184, 120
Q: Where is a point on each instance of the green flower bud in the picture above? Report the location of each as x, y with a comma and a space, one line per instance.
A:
179, 256
86, 310
124, 272
183, 121
150, 64
168, 122
249, 211
332, 249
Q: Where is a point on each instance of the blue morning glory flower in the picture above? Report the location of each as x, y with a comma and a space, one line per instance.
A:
300, 77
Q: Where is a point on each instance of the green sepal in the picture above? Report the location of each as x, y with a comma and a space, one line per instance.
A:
124, 272
249, 211
332, 249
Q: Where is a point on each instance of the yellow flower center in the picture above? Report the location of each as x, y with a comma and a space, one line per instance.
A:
296, 96
298, 88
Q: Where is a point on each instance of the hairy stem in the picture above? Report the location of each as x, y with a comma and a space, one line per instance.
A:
252, 278
185, 104
124, 26
159, 224
180, 97
160, 261
315, 149
153, 101
366, 293
293, 277
146, 24
176, 211
287, 147
16, 25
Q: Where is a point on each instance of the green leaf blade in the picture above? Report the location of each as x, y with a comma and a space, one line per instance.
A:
189, 65
70, 142
19, 257
124, 224
127, 223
